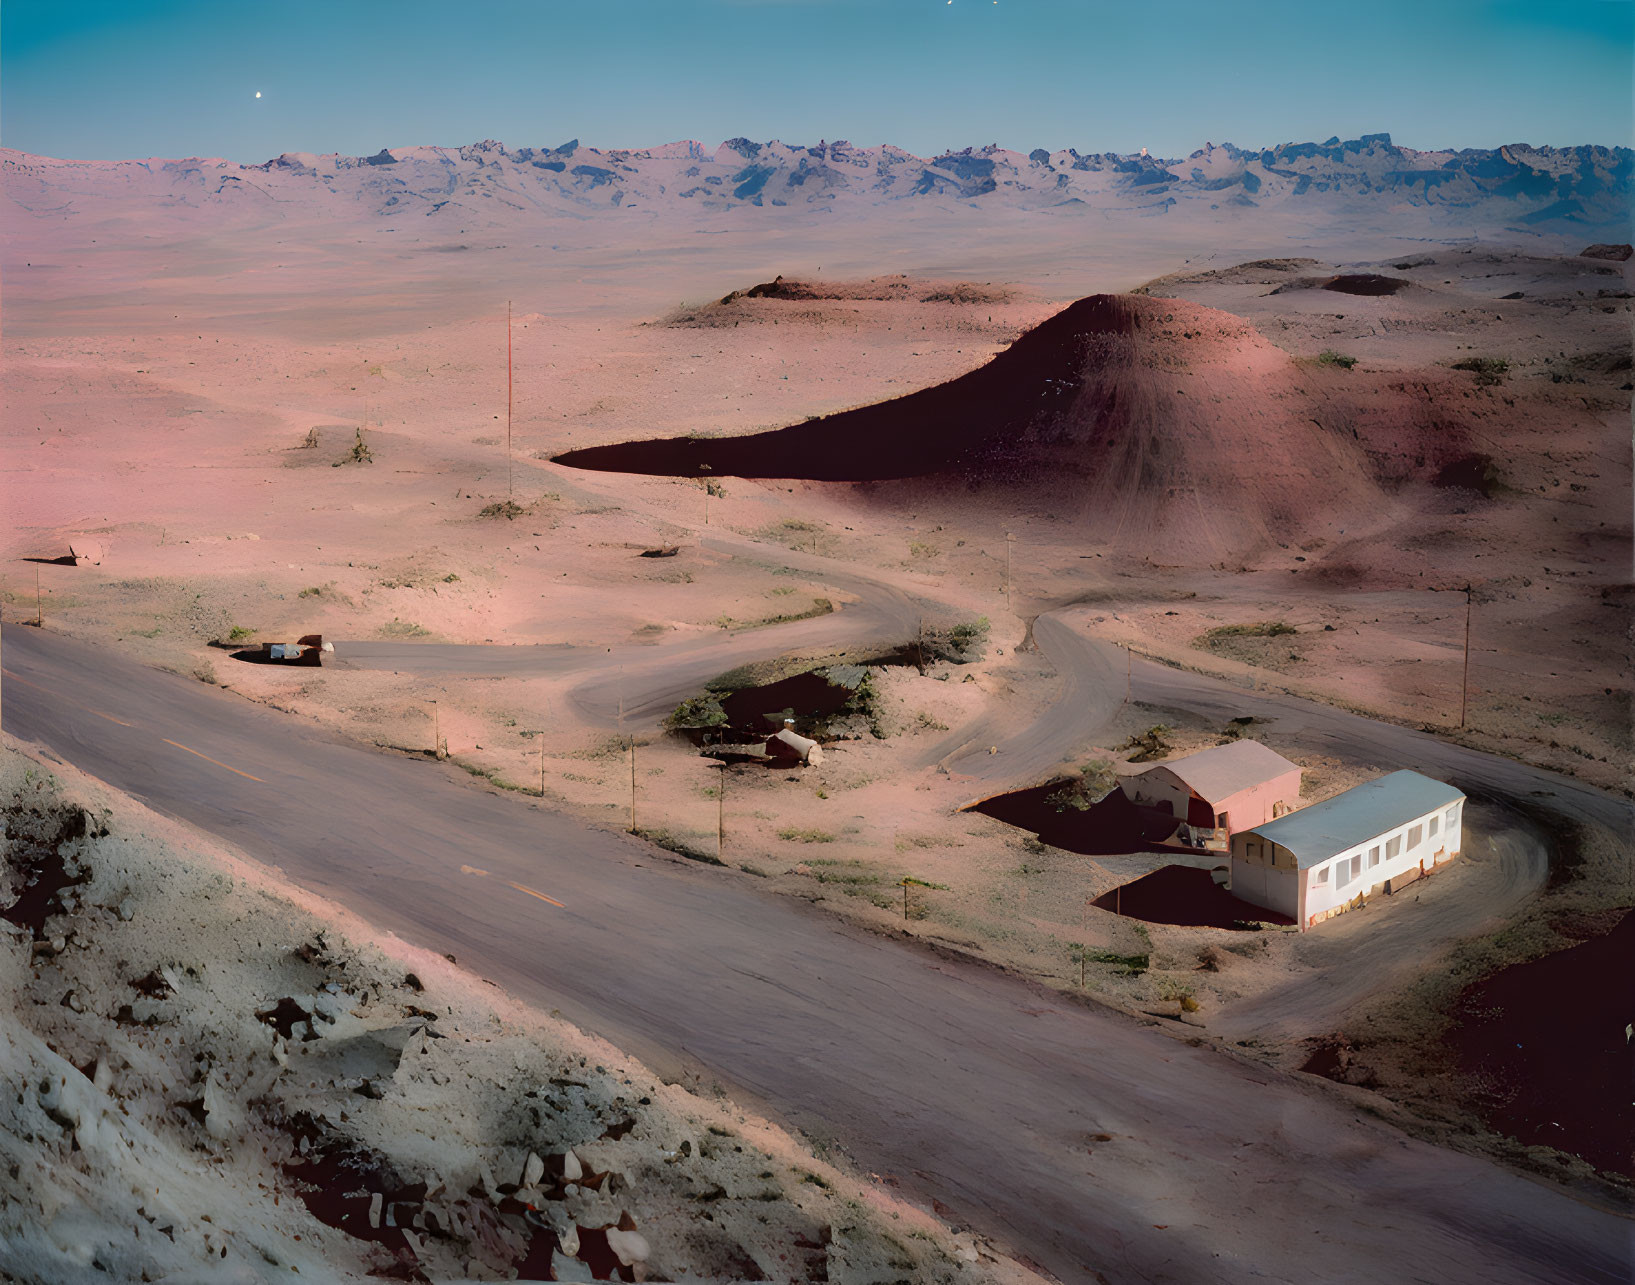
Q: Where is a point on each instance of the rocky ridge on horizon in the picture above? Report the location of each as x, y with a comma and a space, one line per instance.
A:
1576, 189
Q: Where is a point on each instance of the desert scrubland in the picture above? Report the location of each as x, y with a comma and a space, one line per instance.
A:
1268, 435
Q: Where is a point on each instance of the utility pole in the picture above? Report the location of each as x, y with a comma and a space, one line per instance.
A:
919, 647
1007, 571
508, 399
721, 813
632, 783
1129, 666
39, 610
436, 732
542, 763
1464, 682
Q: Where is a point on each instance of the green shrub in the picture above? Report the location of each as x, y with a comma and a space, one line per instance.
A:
1149, 744
671, 843
359, 454
1096, 780
1259, 629
698, 711
1328, 357
1126, 965
1488, 370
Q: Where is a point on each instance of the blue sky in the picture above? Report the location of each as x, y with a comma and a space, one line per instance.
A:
123, 78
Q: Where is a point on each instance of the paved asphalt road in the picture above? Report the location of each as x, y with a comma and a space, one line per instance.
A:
963, 1083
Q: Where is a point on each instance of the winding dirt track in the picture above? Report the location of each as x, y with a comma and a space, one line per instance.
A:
649, 681
1085, 1140
1354, 959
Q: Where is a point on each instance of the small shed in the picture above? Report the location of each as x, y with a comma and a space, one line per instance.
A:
1334, 855
790, 746
310, 649
1218, 791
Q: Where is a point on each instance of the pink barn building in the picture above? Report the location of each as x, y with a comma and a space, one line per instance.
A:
1219, 791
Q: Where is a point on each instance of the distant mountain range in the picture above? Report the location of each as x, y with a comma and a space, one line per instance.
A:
489, 184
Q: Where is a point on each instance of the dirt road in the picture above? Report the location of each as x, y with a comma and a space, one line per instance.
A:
1355, 957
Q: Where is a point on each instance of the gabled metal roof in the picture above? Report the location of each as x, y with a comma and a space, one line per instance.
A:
1359, 814
1217, 774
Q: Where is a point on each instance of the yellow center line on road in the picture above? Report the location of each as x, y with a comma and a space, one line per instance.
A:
208, 759
532, 893
473, 870
16, 679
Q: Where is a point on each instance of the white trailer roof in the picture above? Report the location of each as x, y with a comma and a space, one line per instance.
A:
1357, 815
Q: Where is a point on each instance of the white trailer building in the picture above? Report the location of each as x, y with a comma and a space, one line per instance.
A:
1335, 854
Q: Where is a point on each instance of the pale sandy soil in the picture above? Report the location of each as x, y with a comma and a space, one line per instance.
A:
159, 397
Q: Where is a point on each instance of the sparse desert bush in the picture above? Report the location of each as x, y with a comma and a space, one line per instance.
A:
681, 847
359, 454
205, 672
1123, 965
698, 711
853, 878
395, 628
819, 607
1488, 370
1150, 744
1096, 780
236, 634
793, 835
510, 510
961, 643
797, 533
1258, 629
921, 551
1328, 357
310, 440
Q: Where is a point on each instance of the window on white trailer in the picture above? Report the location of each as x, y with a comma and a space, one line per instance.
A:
1356, 865
1374, 855
1322, 875
1415, 834
1432, 826
1452, 815
1342, 873
1393, 846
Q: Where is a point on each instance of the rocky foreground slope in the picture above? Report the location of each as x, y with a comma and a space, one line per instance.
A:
210, 1082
